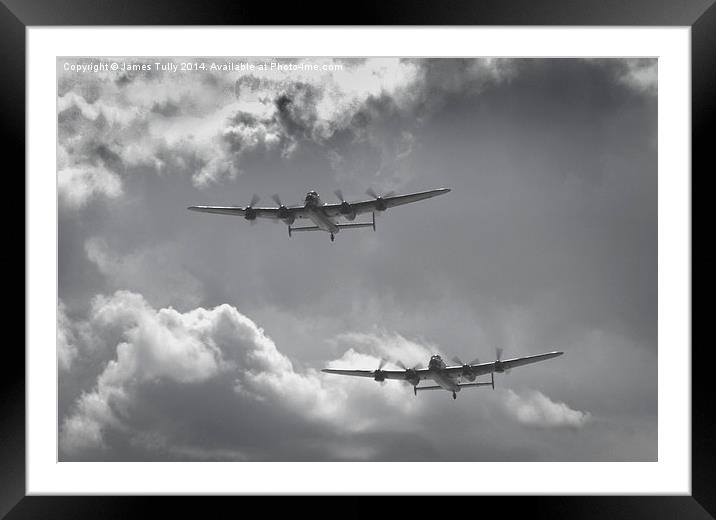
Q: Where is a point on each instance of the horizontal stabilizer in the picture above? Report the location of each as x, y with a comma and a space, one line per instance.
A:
368, 224
475, 384
419, 388
360, 225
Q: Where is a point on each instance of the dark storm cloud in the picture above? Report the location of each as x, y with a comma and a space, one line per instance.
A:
293, 121
295, 111
365, 129
167, 108
547, 241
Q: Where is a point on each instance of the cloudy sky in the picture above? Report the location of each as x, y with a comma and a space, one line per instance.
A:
185, 336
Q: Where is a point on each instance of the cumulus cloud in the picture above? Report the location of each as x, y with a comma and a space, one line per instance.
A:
122, 124
363, 117
364, 348
217, 352
78, 185
640, 74
66, 347
536, 409
210, 384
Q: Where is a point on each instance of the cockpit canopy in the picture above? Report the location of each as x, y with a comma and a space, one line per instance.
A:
312, 197
436, 362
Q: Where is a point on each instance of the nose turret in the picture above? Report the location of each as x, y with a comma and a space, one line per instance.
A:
311, 198
436, 362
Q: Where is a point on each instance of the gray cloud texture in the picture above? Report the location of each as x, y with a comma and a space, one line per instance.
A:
219, 359
199, 337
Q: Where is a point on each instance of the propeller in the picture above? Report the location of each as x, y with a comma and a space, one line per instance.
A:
498, 361
417, 366
346, 208
283, 212
459, 361
249, 211
380, 203
467, 367
378, 374
411, 374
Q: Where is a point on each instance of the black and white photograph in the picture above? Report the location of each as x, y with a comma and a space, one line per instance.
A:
339, 259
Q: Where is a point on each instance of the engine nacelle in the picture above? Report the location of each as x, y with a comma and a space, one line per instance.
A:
347, 211
411, 376
379, 376
289, 220
250, 214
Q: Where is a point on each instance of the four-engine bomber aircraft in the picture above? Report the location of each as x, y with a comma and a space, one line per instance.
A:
448, 378
325, 216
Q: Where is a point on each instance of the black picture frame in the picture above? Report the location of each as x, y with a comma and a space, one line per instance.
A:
16, 15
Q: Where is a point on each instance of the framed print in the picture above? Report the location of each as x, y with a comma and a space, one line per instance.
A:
244, 218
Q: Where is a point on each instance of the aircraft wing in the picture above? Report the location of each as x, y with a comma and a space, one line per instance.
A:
368, 206
270, 213
400, 375
500, 366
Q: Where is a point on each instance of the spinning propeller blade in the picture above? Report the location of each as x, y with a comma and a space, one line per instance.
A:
498, 356
377, 374
249, 213
457, 360
402, 365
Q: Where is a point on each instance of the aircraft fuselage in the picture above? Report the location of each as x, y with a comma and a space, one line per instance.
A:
441, 377
315, 212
